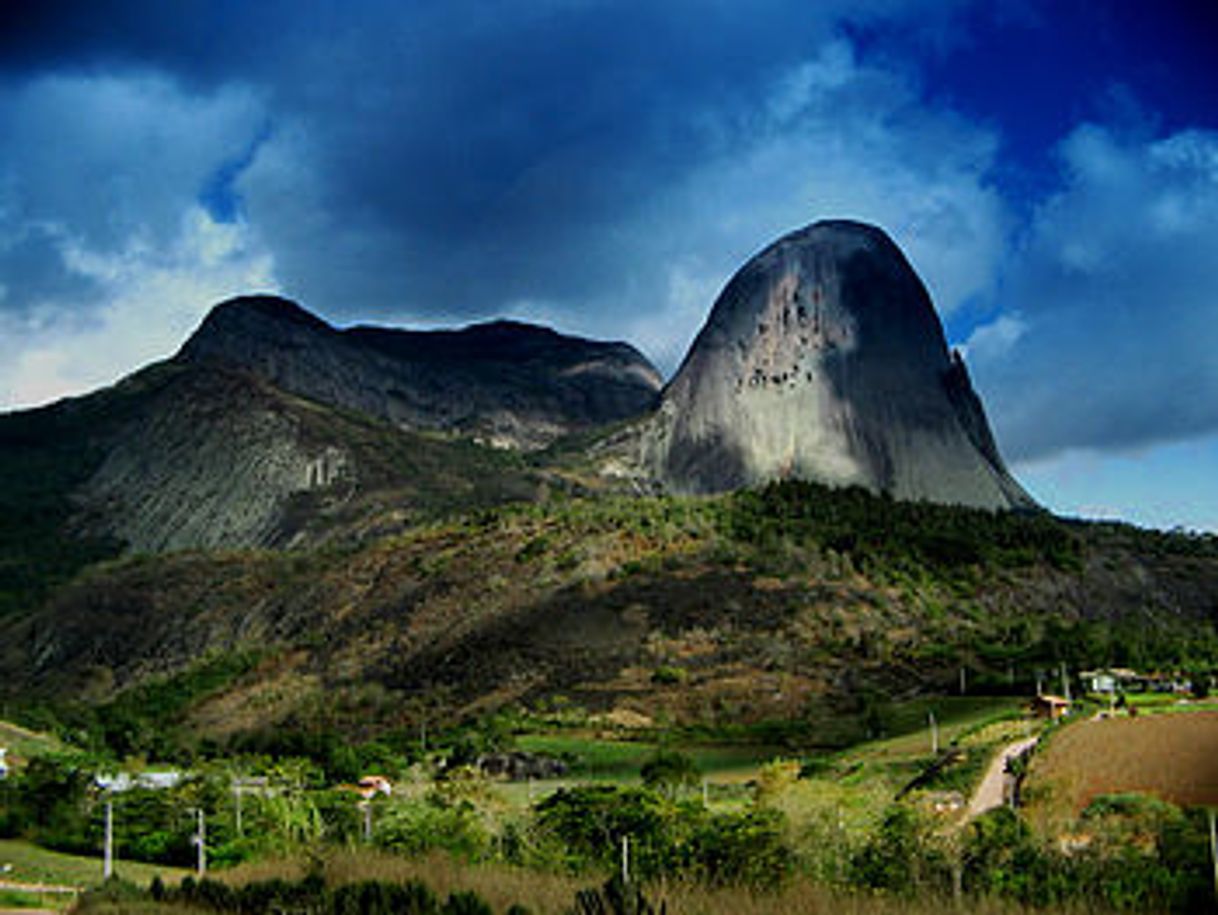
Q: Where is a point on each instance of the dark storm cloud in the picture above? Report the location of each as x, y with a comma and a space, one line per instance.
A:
204, 39
476, 157
469, 153
33, 271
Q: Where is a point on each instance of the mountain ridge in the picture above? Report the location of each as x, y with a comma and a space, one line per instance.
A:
272, 428
507, 383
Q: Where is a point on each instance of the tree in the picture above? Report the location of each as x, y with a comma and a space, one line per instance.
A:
669, 771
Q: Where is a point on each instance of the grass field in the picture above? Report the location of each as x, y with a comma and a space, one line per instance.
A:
31, 864
1171, 756
850, 788
552, 894
600, 759
957, 716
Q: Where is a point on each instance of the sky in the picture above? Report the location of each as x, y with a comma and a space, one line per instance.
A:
1050, 168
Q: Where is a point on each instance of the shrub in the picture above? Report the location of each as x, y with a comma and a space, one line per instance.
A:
374, 897
590, 822
747, 849
669, 771
416, 827
775, 777
899, 856
466, 902
999, 855
667, 837
668, 675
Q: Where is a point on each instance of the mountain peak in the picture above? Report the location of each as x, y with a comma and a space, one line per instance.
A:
824, 359
235, 326
266, 305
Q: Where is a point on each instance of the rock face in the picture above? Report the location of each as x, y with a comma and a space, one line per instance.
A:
507, 383
823, 359
210, 461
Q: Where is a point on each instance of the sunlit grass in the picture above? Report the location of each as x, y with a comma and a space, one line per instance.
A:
32, 864
547, 893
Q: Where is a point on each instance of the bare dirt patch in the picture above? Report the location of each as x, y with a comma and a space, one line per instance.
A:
1174, 757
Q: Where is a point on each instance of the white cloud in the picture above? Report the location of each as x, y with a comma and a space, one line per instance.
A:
150, 300
994, 340
114, 160
1115, 292
109, 258
1163, 486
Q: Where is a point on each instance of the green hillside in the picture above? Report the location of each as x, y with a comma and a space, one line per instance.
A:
800, 612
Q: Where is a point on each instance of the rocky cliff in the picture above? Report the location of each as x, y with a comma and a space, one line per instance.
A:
505, 383
211, 460
823, 359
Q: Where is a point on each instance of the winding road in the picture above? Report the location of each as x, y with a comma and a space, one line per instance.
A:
995, 787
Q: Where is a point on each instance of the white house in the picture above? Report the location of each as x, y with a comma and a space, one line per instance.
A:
1098, 681
125, 781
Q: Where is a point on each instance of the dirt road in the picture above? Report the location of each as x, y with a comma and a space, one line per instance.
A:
996, 786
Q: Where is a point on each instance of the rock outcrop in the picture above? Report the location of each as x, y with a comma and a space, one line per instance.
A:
211, 460
823, 359
506, 383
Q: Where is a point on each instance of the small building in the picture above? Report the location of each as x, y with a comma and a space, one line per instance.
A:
1112, 680
126, 781
3, 763
1051, 707
1098, 681
371, 785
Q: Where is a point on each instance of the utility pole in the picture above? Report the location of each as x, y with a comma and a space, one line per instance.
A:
934, 733
366, 807
1214, 850
237, 796
1065, 683
957, 863
108, 848
625, 860
963, 680
200, 840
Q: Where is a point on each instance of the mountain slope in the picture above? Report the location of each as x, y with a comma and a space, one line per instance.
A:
191, 456
796, 603
271, 428
221, 459
326, 541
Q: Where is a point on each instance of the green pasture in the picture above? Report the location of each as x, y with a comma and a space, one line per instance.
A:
32, 864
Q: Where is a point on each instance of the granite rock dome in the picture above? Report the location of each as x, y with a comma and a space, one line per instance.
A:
823, 359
